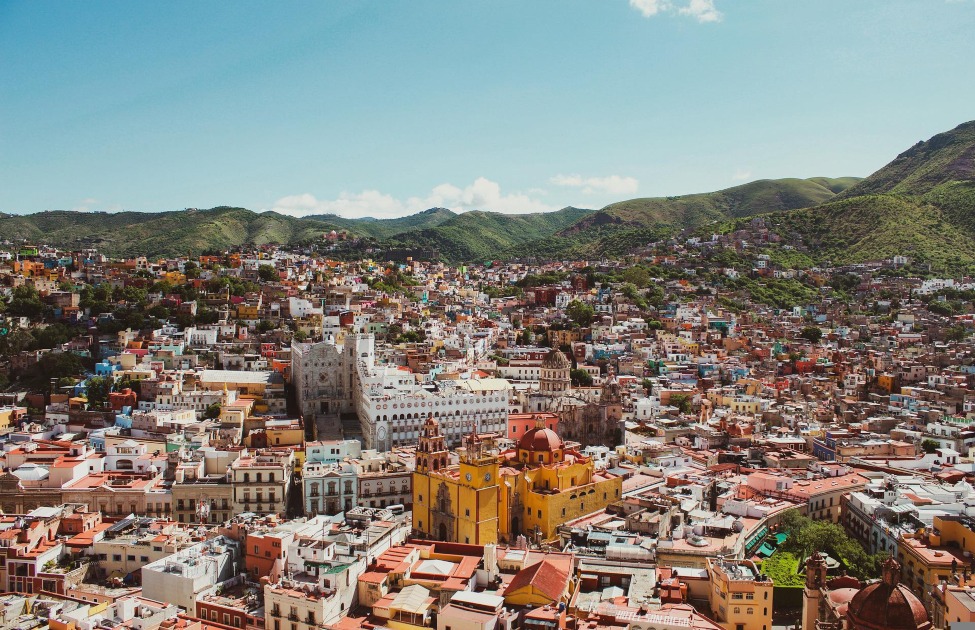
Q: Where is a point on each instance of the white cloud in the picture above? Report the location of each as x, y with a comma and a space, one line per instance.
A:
742, 174
650, 8
85, 204
700, 10
481, 194
611, 184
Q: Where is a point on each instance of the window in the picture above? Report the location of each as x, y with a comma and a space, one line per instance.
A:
144, 558
749, 596
117, 557
737, 610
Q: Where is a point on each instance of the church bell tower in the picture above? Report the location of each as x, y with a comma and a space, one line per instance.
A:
812, 594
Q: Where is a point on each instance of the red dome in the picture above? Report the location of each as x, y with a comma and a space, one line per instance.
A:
887, 605
540, 439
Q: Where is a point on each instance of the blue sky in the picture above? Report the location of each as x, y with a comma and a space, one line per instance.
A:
385, 108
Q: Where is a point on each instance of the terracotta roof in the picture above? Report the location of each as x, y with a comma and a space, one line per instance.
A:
540, 439
544, 576
888, 605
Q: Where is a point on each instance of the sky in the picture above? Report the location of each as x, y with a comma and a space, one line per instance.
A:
390, 107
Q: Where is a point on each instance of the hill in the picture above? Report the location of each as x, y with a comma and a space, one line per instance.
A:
921, 205
946, 158
386, 228
623, 226
468, 236
478, 236
160, 234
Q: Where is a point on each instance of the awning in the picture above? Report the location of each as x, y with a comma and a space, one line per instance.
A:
756, 539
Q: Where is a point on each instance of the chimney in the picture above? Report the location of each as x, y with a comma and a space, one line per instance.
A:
491, 561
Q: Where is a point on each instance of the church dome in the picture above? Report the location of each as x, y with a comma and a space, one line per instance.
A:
540, 439
887, 605
556, 360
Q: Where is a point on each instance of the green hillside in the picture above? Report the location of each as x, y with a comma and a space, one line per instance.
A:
875, 227
921, 205
621, 227
477, 235
946, 158
386, 228
160, 234
836, 184
765, 195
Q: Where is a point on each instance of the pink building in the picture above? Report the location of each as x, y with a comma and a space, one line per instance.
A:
521, 423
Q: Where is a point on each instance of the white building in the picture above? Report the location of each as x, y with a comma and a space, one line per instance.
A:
182, 577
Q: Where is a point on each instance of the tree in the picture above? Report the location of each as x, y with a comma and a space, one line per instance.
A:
207, 316
637, 276
929, 446
682, 402
806, 535
580, 378
212, 411
52, 336
15, 341
941, 308
580, 312
812, 334
58, 365
267, 273
26, 302
955, 333
97, 389
159, 312
647, 385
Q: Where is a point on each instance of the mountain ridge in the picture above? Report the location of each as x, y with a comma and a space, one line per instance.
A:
921, 204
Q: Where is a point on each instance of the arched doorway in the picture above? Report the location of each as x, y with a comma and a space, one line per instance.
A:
443, 531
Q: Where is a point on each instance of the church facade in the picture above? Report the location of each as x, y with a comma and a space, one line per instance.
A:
495, 496
588, 421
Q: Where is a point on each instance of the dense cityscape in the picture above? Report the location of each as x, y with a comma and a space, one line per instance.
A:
273, 438
487, 315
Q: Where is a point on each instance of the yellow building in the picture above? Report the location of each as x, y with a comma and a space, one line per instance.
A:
248, 311
9, 416
931, 557
455, 503
491, 495
740, 596
174, 277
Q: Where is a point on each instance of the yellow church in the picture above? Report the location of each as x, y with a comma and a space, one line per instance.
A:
495, 496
